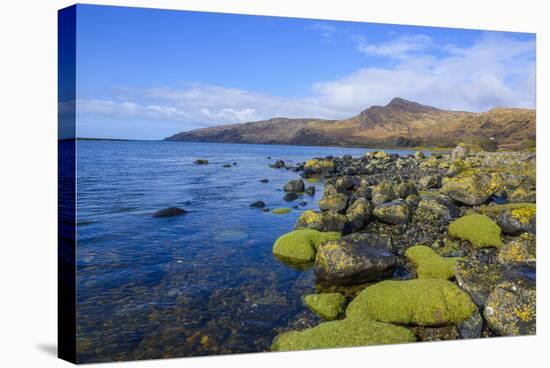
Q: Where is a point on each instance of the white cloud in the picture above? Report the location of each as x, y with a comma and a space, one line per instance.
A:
398, 47
494, 71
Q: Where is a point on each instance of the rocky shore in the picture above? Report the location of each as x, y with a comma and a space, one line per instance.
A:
415, 248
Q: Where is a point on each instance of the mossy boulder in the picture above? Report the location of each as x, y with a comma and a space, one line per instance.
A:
354, 259
343, 333
495, 210
406, 189
429, 264
518, 220
396, 212
477, 229
383, 192
430, 181
472, 187
299, 246
281, 211
523, 194
510, 309
435, 208
423, 302
319, 166
336, 203
521, 249
359, 213
327, 306
310, 219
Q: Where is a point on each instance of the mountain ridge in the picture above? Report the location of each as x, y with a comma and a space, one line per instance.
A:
400, 123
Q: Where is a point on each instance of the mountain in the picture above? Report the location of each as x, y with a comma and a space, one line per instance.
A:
400, 123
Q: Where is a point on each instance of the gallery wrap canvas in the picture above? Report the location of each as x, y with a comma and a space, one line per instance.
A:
239, 184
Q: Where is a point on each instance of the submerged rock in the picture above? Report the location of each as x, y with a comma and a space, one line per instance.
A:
479, 230
289, 197
429, 264
201, 161
327, 306
299, 246
281, 211
396, 212
279, 164
422, 302
343, 333
169, 212
264, 181
354, 259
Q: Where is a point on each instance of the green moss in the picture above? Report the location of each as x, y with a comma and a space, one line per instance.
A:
497, 209
327, 306
344, 333
430, 265
312, 180
300, 246
423, 302
479, 230
281, 211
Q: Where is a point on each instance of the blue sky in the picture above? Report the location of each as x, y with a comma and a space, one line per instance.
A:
147, 74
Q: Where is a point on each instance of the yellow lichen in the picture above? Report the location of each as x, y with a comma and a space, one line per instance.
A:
523, 214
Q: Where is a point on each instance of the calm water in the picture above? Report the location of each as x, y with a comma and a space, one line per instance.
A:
202, 283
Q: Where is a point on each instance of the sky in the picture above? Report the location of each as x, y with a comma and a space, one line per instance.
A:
148, 74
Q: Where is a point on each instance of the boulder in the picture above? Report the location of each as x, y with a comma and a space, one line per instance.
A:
327, 306
335, 203
460, 152
406, 189
510, 309
523, 194
169, 212
477, 229
471, 328
358, 214
396, 212
430, 181
435, 208
319, 166
289, 197
343, 333
296, 186
422, 302
521, 249
429, 264
310, 190
201, 161
354, 259
383, 192
344, 184
299, 246
471, 187
518, 220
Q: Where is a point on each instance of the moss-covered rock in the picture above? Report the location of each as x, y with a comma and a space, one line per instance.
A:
523, 194
396, 212
327, 306
359, 213
518, 220
477, 229
423, 302
495, 210
344, 333
383, 192
299, 246
429, 264
510, 309
406, 189
435, 208
354, 259
310, 219
521, 249
281, 211
318, 166
336, 203
472, 187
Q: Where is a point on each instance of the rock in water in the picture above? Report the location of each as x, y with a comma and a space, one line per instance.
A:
289, 197
299, 246
327, 306
422, 302
279, 164
264, 181
201, 161
310, 190
169, 212
296, 186
257, 204
396, 212
354, 259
